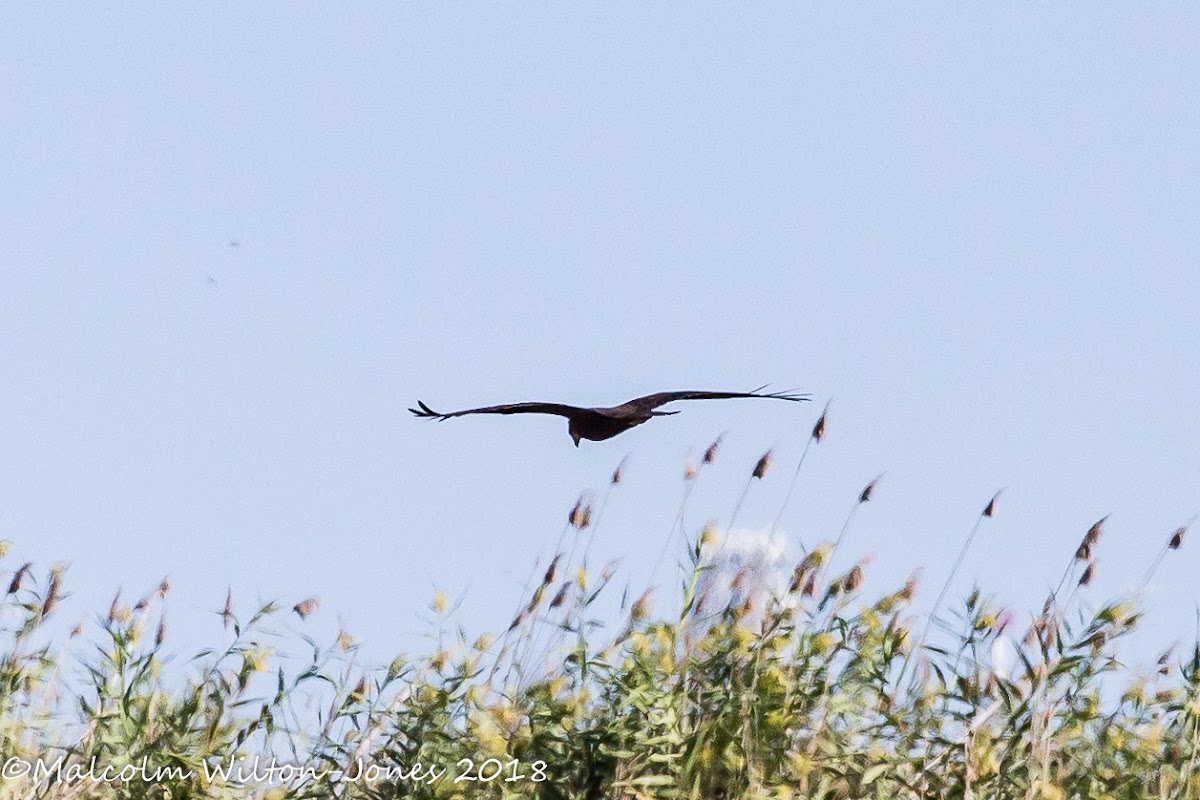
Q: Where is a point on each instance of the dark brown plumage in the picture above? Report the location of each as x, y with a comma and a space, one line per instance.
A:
597, 424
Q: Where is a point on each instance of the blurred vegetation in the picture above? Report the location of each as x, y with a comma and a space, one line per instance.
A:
744, 686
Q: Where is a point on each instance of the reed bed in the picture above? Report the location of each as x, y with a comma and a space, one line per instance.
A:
739, 687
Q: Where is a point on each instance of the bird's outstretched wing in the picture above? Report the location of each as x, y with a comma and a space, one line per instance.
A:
653, 401
558, 409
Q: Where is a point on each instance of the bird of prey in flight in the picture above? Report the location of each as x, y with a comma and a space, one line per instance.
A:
597, 424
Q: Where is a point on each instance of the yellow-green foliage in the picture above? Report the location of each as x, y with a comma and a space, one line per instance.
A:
815, 692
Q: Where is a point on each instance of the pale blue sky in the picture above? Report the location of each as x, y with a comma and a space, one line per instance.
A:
974, 227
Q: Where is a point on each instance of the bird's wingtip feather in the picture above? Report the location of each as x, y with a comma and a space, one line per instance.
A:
423, 410
786, 394
792, 394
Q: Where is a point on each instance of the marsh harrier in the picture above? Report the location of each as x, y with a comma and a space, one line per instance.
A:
597, 424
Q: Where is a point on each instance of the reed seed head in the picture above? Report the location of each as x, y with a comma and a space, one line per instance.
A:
1089, 574
551, 571
868, 490
711, 453
1177, 537
798, 576
164, 586
641, 607
1050, 634
818, 431
226, 613
15, 584
690, 470
764, 464
739, 579
854, 579
1093, 535
306, 607
560, 596
1031, 635
619, 472
581, 515
113, 606
160, 634
990, 509
52, 595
